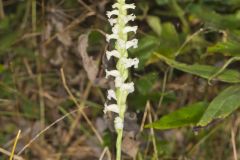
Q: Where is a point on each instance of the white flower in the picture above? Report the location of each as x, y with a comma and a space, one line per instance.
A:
112, 21
115, 5
129, 87
114, 73
113, 12
121, 43
130, 6
130, 17
118, 123
113, 53
118, 81
115, 29
112, 107
111, 94
126, 6
130, 29
129, 62
111, 36
132, 43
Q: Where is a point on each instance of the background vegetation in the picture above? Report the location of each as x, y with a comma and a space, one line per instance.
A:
52, 82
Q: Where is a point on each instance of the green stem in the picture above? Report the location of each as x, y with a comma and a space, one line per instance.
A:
119, 143
121, 96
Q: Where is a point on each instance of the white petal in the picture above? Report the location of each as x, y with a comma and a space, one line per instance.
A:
114, 73
121, 44
118, 123
113, 53
115, 29
115, 5
113, 12
132, 43
111, 36
129, 87
130, 6
111, 94
130, 17
129, 62
118, 81
130, 29
112, 21
112, 107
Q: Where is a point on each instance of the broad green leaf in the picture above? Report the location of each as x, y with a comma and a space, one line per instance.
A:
161, 2
169, 40
223, 105
185, 116
228, 2
155, 23
214, 19
7, 40
145, 83
230, 47
204, 71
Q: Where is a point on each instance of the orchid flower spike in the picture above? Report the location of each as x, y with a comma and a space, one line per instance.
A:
118, 19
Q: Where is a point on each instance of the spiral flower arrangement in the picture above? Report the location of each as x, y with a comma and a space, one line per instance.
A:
118, 19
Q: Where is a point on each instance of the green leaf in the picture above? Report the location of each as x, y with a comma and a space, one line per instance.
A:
155, 23
4, 23
7, 40
228, 2
204, 71
169, 40
185, 116
145, 83
214, 19
161, 2
230, 48
223, 105
1, 68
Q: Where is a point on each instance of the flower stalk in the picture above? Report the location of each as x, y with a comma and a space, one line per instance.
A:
118, 19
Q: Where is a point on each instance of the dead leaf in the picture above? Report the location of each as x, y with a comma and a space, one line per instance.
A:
130, 146
58, 59
89, 64
63, 35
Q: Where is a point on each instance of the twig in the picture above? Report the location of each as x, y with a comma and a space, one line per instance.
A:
163, 90
144, 119
152, 131
14, 145
80, 107
106, 150
71, 25
188, 40
223, 68
91, 10
44, 130
234, 144
3, 151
